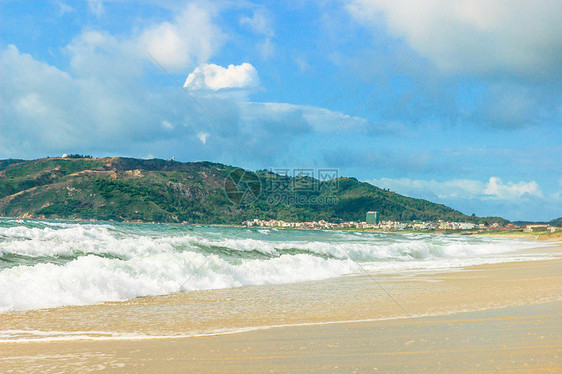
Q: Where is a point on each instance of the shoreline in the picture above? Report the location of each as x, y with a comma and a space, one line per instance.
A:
350, 322
546, 237
495, 316
540, 236
517, 339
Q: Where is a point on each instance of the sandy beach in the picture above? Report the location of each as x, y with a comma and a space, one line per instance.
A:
504, 317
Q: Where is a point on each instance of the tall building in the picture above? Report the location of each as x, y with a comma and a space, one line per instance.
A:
372, 218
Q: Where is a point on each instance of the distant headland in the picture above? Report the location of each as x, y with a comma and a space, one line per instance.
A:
155, 190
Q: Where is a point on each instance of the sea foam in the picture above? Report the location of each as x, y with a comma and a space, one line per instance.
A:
46, 264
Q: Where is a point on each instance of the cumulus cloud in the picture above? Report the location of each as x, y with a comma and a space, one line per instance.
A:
215, 77
191, 38
510, 191
476, 36
45, 110
29, 94
101, 56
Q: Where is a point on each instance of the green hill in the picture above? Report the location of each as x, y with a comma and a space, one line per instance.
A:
127, 189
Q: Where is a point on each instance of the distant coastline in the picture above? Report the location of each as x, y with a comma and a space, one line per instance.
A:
518, 233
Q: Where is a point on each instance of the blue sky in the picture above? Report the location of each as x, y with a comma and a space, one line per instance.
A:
457, 102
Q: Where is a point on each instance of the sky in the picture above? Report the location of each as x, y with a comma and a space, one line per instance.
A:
455, 101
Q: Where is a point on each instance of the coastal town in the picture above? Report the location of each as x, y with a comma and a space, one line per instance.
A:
373, 223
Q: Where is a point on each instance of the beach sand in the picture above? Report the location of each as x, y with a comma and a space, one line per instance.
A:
503, 317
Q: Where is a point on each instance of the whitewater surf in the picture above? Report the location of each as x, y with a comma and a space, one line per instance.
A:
45, 264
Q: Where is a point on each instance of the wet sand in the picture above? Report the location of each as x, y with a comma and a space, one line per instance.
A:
522, 339
501, 317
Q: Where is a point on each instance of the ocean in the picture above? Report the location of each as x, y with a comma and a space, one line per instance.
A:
48, 264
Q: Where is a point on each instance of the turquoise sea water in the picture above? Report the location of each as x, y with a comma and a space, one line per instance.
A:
47, 264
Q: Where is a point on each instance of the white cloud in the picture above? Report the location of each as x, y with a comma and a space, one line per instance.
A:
44, 110
454, 188
29, 94
215, 77
191, 38
512, 200
259, 23
99, 55
476, 36
319, 119
511, 191
203, 136
105, 97
32, 105
461, 188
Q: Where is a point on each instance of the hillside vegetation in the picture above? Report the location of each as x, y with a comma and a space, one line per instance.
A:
127, 189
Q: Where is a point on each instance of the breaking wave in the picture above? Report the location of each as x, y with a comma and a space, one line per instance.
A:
50, 264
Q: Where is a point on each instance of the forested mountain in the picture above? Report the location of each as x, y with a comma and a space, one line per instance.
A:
127, 189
